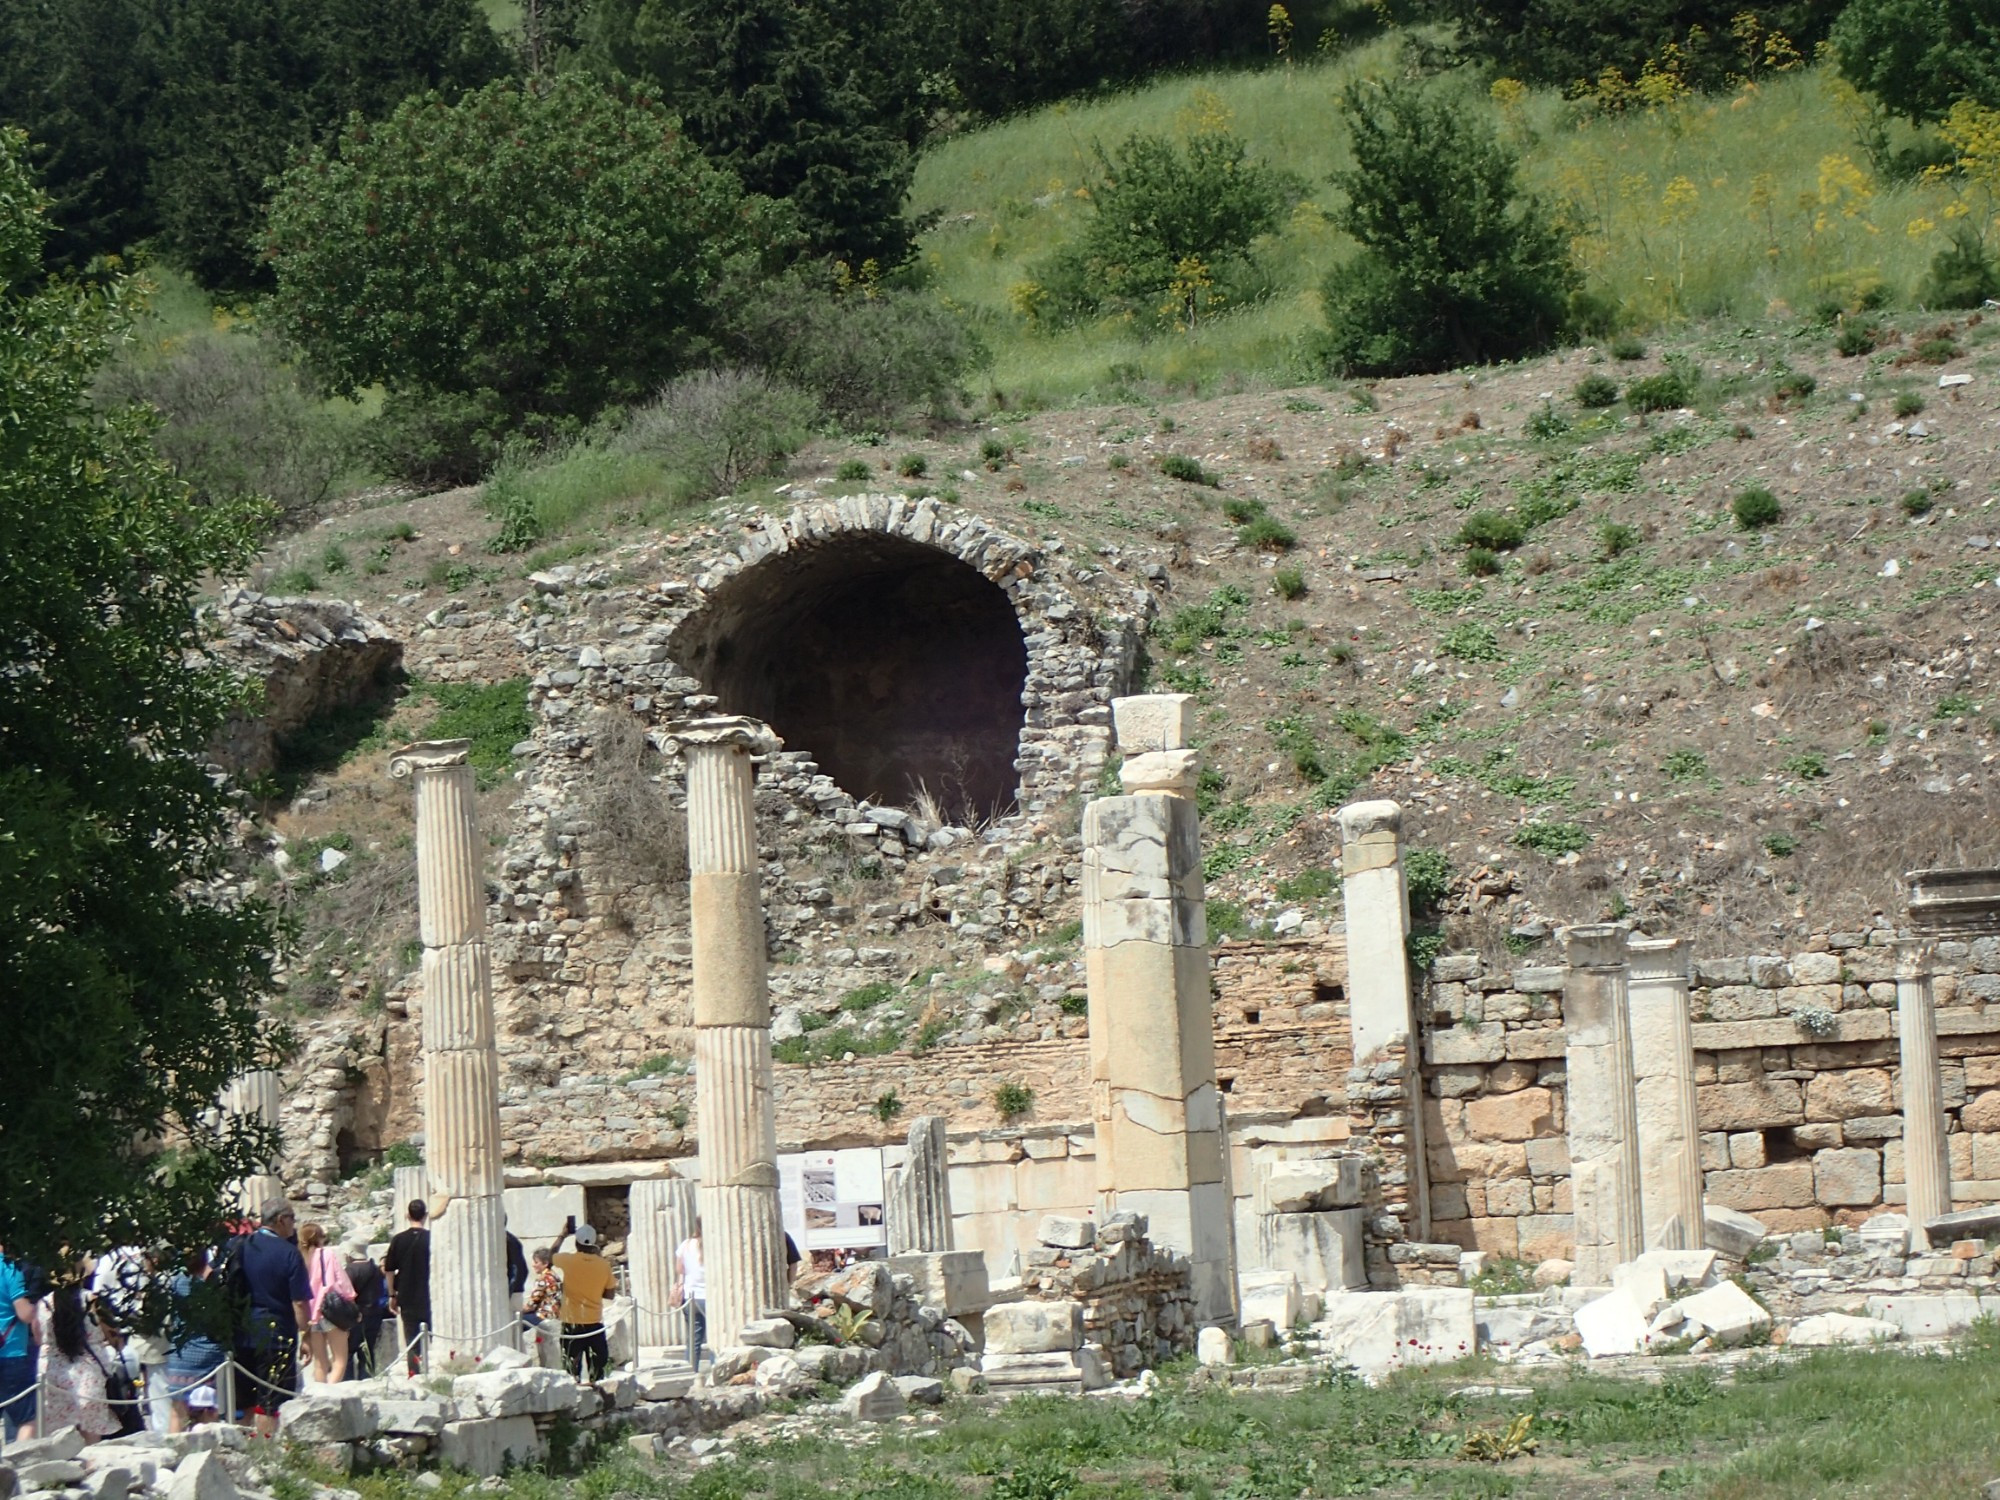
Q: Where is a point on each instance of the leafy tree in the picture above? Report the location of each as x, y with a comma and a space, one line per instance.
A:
79, 76
134, 995
1561, 42
519, 260
1168, 223
247, 84
817, 103
1918, 57
1457, 264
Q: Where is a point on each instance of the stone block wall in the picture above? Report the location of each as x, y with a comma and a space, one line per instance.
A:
1138, 1307
1797, 1084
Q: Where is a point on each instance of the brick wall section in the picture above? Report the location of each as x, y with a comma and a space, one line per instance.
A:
1797, 1078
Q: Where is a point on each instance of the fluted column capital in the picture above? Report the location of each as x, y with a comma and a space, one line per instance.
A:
428, 755
729, 732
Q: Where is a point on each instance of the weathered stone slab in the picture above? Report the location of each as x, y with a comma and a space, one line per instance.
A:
1034, 1327
489, 1445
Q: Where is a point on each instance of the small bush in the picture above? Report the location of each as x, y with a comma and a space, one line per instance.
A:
912, 466
1013, 1099
1470, 641
717, 429
540, 496
1854, 340
1755, 509
1119, 460
1793, 385
1267, 534
993, 453
1482, 562
1595, 392
1615, 538
1917, 503
1628, 347
1810, 766
494, 716
1186, 470
1938, 351
1685, 765
1308, 885
1240, 510
1780, 845
867, 997
1667, 392
1547, 423
1493, 530
1553, 839
1288, 583
1909, 404
887, 1106
1962, 274
853, 471
1427, 875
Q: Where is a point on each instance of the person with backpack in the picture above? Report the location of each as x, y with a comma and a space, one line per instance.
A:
334, 1310
196, 1353
19, 1342
371, 1292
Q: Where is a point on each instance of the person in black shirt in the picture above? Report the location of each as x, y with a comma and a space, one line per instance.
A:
371, 1296
517, 1263
408, 1268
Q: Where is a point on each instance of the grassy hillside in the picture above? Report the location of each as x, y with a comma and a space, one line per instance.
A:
1753, 205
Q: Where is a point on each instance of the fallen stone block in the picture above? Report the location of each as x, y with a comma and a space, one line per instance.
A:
968, 1381
1302, 1187
1967, 1223
66, 1442
1613, 1324
1927, 1317
49, 1474
1272, 1296
1377, 1332
113, 1483
1731, 1231
783, 1375
406, 1418
1069, 1370
874, 1398
489, 1445
920, 1390
1213, 1346
953, 1281
1034, 1327
1682, 1267
865, 1286
1643, 1285
770, 1333
1062, 1232
663, 1382
201, 1476
729, 1363
1725, 1312
311, 1419
1824, 1329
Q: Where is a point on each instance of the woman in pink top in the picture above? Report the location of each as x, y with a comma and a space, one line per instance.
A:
327, 1273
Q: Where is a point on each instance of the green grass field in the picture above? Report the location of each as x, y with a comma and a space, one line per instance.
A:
1755, 205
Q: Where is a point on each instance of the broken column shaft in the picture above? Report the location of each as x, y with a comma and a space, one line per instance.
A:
662, 1216
1161, 1148
743, 1238
919, 1192
1926, 1164
1601, 1104
1670, 1183
469, 1308
257, 1096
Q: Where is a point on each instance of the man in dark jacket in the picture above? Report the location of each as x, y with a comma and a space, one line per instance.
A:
408, 1267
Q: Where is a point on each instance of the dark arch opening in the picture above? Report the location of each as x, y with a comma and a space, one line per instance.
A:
897, 666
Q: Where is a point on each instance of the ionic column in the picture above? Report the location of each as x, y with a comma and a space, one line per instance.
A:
1670, 1185
663, 1210
919, 1192
1601, 1104
1926, 1163
469, 1308
256, 1097
1386, 1083
1161, 1147
743, 1238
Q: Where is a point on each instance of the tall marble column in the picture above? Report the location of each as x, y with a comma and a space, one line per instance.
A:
743, 1237
256, 1096
1926, 1162
1601, 1104
1161, 1143
1670, 1185
662, 1210
1385, 1086
470, 1313
919, 1192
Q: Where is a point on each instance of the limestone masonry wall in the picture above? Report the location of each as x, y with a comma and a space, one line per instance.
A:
1798, 1089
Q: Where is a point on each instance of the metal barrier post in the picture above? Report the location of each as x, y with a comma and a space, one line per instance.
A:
228, 1391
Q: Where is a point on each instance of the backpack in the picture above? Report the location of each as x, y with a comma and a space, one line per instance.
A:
235, 1279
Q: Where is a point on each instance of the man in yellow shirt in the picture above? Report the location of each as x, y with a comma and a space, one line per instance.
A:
586, 1279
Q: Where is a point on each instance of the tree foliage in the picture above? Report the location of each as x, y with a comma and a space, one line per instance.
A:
1562, 42
1458, 265
134, 997
517, 261
1918, 57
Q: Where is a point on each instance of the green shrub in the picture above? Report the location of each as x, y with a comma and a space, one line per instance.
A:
544, 294
1955, 706
1793, 385
1482, 562
1267, 534
1664, 392
1594, 392
1628, 347
1547, 423
493, 715
1918, 60
1917, 503
1810, 766
1427, 875
1308, 885
1553, 839
1684, 765
1615, 538
1909, 404
853, 471
887, 1106
1241, 510
1012, 1099
912, 466
1493, 530
1755, 508
717, 429
1458, 264
1288, 583
1963, 274
993, 453
538, 496
1855, 340
236, 419
1938, 351
1470, 641
868, 997
1169, 233
1186, 470
1780, 845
